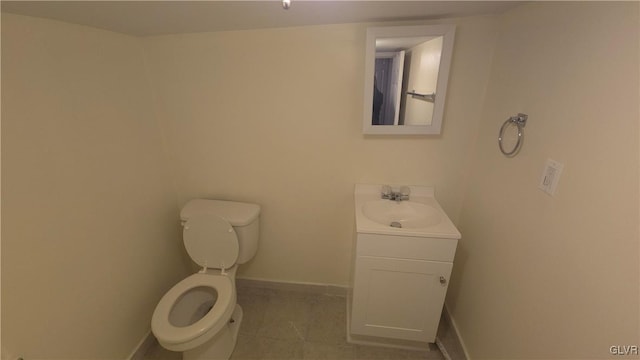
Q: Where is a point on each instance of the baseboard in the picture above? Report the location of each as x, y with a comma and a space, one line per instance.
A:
145, 343
457, 332
449, 340
315, 288
443, 349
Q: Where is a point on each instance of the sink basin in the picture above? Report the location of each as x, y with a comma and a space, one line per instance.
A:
403, 214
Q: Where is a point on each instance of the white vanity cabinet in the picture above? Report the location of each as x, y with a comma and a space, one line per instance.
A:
399, 287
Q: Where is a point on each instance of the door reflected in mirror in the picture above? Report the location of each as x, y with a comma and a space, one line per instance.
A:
405, 79
406, 75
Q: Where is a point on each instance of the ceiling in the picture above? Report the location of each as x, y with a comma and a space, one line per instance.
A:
147, 18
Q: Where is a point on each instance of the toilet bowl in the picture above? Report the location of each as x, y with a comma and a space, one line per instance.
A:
199, 315
194, 310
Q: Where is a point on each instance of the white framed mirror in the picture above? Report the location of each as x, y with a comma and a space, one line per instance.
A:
406, 75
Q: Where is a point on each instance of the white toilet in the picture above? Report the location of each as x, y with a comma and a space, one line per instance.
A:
199, 315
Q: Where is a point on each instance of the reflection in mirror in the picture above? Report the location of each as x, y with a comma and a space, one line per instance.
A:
406, 78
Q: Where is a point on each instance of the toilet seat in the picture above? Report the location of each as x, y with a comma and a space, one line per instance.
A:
182, 338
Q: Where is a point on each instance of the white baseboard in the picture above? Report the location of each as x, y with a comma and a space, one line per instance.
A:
315, 288
443, 349
454, 326
143, 345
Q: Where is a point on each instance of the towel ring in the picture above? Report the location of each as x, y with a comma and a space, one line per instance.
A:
520, 121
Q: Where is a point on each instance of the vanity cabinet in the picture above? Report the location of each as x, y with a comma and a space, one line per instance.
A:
400, 283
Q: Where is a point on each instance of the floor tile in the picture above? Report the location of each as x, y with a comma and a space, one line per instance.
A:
379, 353
157, 352
247, 348
254, 307
384, 353
283, 324
426, 355
316, 351
328, 323
275, 349
286, 316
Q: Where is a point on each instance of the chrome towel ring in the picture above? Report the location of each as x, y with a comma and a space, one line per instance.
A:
520, 121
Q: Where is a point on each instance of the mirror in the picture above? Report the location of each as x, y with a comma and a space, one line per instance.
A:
406, 75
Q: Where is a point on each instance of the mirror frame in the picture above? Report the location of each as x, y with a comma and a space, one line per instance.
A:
373, 33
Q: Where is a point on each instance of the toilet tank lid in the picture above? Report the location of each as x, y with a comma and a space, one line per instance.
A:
236, 213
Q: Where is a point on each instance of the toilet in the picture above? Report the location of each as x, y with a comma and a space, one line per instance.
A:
199, 316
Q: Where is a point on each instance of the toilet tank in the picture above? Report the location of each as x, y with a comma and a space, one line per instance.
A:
244, 217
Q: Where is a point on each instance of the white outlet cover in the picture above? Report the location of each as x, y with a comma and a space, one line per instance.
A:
550, 176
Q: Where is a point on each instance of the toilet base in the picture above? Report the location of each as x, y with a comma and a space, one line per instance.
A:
220, 346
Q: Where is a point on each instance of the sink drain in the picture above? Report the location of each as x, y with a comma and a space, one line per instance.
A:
395, 224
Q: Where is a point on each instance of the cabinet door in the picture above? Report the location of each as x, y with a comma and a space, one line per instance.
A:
398, 298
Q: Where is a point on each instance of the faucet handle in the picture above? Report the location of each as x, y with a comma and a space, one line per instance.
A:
385, 191
404, 193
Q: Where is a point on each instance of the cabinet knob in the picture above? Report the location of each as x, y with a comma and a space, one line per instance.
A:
443, 281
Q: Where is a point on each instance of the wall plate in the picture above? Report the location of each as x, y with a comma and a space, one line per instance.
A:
550, 176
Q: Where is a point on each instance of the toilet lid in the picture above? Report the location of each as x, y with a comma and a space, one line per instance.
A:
210, 241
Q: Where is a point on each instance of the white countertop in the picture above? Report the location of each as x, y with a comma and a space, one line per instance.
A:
420, 194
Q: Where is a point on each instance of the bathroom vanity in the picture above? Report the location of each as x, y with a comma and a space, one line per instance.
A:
403, 259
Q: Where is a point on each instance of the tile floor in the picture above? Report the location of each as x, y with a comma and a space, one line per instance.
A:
282, 324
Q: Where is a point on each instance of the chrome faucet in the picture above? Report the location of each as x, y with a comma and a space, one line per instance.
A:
388, 193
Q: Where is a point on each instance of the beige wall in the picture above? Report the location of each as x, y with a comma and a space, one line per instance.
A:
274, 117
269, 116
90, 239
542, 277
